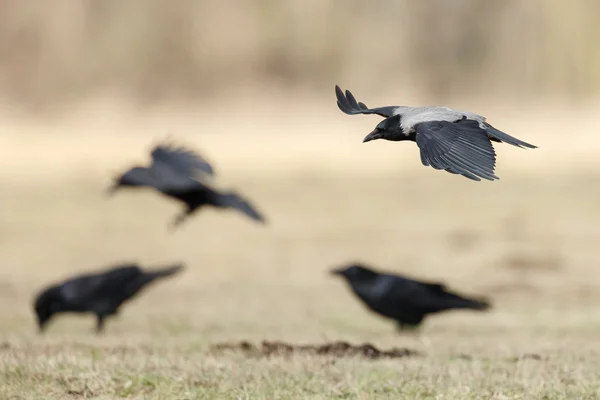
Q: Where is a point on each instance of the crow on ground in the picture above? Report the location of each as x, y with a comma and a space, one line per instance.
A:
181, 174
404, 300
100, 293
458, 142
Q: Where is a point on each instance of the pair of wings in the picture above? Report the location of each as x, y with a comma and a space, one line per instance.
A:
459, 147
178, 168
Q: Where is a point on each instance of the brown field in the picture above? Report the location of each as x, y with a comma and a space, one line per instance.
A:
527, 241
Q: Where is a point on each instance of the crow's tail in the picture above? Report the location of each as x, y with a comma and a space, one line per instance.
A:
481, 305
476, 304
506, 138
233, 200
456, 301
162, 272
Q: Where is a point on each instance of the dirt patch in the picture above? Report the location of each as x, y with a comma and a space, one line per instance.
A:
527, 356
81, 394
333, 349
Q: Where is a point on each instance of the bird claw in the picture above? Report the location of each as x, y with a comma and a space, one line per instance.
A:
178, 220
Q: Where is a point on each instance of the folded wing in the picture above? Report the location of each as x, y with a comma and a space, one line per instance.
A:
89, 288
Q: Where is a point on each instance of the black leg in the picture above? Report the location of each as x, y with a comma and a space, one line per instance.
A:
178, 220
100, 324
404, 328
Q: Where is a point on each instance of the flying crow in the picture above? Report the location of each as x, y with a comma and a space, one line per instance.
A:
456, 141
99, 293
404, 300
183, 175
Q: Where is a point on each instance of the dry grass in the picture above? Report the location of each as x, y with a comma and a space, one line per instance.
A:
329, 199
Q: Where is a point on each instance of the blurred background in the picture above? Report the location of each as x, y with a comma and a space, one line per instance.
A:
88, 86
154, 51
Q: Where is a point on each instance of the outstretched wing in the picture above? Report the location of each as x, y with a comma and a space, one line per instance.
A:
182, 159
178, 168
460, 147
348, 104
233, 200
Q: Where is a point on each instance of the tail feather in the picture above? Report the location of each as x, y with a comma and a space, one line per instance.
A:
152, 275
480, 305
456, 301
164, 272
233, 200
506, 138
474, 304
148, 277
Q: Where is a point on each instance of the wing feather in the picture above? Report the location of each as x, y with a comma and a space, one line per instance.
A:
347, 104
88, 287
183, 159
176, 168
460, 147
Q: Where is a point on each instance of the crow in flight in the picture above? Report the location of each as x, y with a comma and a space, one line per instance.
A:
99, 293
183, 175
455, 141
404, 300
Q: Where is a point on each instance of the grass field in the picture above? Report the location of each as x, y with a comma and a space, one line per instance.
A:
527, 241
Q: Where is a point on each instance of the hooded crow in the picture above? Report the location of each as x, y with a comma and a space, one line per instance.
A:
458, 142
183, 175
100, 293
404, 300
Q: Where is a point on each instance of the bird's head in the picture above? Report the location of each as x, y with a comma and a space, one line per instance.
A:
46, 305
388, 129
134, 177
355, 273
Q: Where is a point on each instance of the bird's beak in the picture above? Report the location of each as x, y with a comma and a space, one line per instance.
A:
376, 134
337, 271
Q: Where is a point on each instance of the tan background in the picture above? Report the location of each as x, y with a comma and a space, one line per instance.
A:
87, 87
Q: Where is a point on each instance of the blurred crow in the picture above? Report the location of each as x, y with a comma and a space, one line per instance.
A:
181, 174
456, 141
404, 300
99, 293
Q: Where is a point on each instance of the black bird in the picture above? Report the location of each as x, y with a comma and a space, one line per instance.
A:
404, 300
100, 293
456, 141
183, 175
